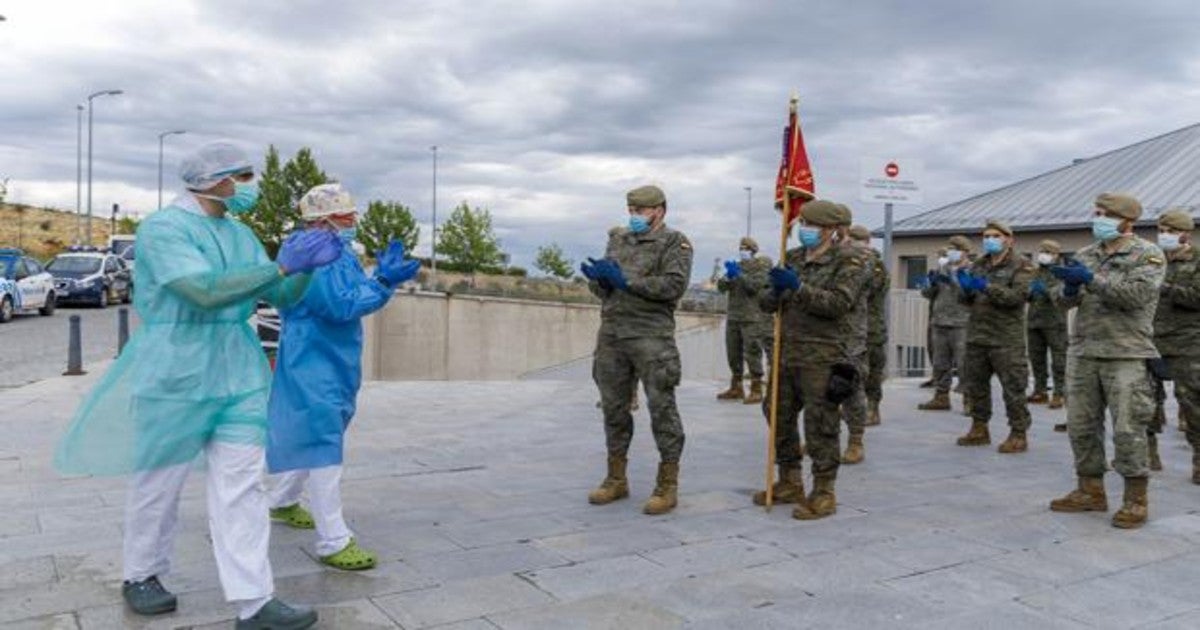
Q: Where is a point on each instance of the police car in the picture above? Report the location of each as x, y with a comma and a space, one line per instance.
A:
89, 276
25, 286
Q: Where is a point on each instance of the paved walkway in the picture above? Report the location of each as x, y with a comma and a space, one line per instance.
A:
474, 495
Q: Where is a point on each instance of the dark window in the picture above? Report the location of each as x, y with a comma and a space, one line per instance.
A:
913, 268
33, 266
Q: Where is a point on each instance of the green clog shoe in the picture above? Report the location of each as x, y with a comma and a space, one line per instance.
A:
293, 516
350, 558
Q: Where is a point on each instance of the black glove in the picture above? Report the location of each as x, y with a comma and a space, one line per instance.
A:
843, 379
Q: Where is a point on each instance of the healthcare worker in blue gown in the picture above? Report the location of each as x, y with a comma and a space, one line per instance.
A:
192, 382
317, 376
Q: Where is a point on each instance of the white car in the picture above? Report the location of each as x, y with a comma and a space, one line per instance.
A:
25, 286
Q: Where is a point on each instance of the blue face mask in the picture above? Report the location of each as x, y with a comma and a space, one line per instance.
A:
993, 244
348, 234
1106, 228
638, 224
243, 199
809, 237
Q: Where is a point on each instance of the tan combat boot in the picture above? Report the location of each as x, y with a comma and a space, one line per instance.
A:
1134, 507
873, 415
821, 503
735, 390
977, 436
1016, 442
664, 497
1152, 451
755, 396
1037, 398
1088, 497
854, 450
1056, 402
789, 488
615, 485
939, 402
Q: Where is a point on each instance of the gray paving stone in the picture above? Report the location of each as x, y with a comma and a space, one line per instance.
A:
925, 552
1184, 621
1103, 603
966, 586
485, 561
715, 555
719, 594
53, 622
830, 572
470, 624
461, 600
507, 530
599, 543
584, 579
596, 613
1003, 616
27, 572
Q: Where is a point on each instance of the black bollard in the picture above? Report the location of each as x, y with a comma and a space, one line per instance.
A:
122, 329
75, 349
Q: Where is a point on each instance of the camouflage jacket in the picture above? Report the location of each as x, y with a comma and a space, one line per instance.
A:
657, 266
877, 299
1046, 309
743, 290
1115, 319
1177, 320
826, 320
998, 313
944, 307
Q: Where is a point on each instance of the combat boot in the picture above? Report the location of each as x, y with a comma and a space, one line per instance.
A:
789, 488
1016, 442
1152, 451
977, 436
1134, 507
615, 485
939, 402
735, 390
664, 498
1056, 402
1088, 497
755, 396
821, 503
854, 450
1037, 398
873, 415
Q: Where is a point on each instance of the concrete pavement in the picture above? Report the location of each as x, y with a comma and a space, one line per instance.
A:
475, 496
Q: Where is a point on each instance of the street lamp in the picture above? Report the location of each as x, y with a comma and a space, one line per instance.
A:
433, 257
89, 180
160, 159
78, 174
747, 189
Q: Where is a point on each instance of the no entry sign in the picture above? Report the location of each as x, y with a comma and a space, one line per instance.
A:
891, 180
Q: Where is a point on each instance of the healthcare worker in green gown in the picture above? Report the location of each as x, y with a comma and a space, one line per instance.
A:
317, 376
193, 381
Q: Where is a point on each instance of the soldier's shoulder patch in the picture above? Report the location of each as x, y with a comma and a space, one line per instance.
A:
1155, 259
684, 243
616, 230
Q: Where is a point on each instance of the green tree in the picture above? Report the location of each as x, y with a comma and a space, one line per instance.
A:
467, 240
384, 221
280, 189
127, 225
552, 262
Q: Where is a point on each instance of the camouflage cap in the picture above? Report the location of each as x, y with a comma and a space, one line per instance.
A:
1120, 204
999, 226
822, 213
1050, 245
1177, 219
960, 242
860, 233
748, 243
645, 197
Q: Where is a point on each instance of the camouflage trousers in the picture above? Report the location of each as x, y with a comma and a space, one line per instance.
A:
876, 363
1052, 341
1010, 366
1185, 372
1123, 387
802, 389
854, 410
747, 343
949, 347
617, 367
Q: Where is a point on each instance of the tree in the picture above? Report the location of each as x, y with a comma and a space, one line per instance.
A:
468, 240
551, 261
384, 221
279, 191
3, 189
127, 225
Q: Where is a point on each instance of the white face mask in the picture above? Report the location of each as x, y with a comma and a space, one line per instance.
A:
1045, 258
954, 255
943, 261
1168, 242
746, 255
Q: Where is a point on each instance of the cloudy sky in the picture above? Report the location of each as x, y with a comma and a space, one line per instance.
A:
545, 112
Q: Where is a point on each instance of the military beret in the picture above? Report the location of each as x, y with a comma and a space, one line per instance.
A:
848, 212
999, 226
1050, 245
1120, 204
1177, 219
860, 233
821, 212
960, 242
748, 243
645, 197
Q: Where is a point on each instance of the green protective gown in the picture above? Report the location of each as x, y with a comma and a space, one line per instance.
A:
194, 370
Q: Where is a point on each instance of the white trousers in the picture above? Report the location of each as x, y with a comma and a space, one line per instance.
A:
324, 501
237, 520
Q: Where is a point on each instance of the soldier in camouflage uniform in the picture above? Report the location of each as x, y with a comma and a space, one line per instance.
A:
820, 296
862, 410
948, 321
746, 326
644, 273
1046, 327
1177, 327
1115, 285
995, 289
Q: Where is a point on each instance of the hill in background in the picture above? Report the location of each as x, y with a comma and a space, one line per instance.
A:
44, 232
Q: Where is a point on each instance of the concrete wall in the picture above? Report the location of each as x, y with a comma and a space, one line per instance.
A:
432, 336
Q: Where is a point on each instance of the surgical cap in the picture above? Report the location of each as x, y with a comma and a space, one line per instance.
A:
212, 163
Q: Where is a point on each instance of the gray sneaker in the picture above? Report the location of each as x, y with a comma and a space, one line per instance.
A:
148, 597
277, 615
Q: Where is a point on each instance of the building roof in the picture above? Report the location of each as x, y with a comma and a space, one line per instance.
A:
1162, 172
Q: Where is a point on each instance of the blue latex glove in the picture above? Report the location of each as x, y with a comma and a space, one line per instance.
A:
981, 283
393, 268
608, 274
306, 250
1073, 274
1037, 287
783, 279
965, 281
732, 270
587, 270
931, 278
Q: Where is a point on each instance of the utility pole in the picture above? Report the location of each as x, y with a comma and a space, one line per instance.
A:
433, 256
89, 178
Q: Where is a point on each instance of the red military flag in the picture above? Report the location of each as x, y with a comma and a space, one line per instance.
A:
795, 177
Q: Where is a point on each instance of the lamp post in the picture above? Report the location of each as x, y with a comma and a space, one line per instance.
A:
433, 256
78, 174
160, 159
89, 177
748, 206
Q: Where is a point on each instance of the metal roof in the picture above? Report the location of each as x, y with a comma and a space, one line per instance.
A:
1162, 172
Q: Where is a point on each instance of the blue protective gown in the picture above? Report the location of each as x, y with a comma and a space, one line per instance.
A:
319, 366
193, 371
